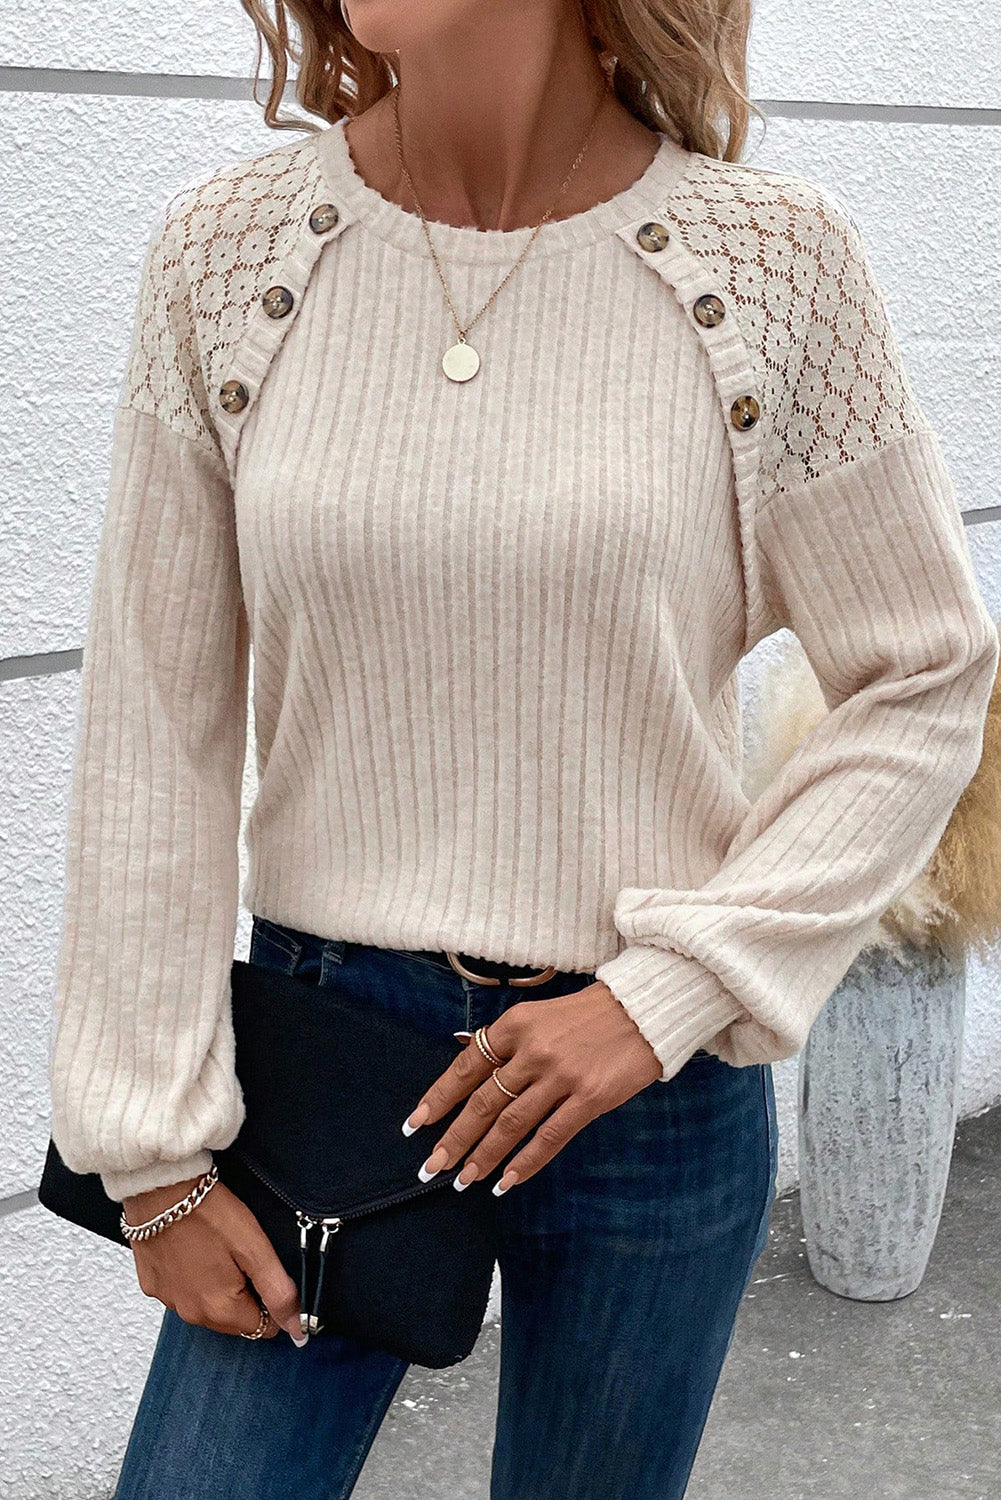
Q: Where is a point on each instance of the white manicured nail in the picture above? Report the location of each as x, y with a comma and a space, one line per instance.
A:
424, 1174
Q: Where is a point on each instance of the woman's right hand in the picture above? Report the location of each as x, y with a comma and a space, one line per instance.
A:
199, 1265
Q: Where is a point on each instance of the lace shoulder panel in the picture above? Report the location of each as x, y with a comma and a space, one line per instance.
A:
796, 269
213, 249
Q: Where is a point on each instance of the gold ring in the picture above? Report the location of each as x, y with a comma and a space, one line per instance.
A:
503, 1086
262, 1324
480, 1037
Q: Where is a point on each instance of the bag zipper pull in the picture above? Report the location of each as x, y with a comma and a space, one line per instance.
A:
305, 1225
330, 1226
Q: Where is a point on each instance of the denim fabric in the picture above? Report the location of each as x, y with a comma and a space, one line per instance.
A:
623, 1262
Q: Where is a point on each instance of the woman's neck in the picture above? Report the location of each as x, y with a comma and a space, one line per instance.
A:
491, 123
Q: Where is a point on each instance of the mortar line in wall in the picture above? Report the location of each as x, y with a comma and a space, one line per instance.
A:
978, 516
17, 1202
882, 114
42, 80
41, 664
110, 83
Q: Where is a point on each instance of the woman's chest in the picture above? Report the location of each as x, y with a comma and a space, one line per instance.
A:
590, 441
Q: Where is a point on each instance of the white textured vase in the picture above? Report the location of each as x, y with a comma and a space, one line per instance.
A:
878, 1096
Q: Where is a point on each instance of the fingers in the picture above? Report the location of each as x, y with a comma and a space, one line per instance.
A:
255, 1255
218, 1272
229, 1305
556, 1084
463, 1074
551, 1136
226, 1307
492, 1123
273, 1329
530, 1111
467, 1071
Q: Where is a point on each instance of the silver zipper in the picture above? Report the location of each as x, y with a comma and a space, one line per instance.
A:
305, 1225
328, 1224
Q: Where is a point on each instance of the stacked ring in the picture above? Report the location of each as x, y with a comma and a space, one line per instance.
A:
503, 1087
480, 1037
263, 1322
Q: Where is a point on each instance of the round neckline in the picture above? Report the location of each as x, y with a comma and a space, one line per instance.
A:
463, 242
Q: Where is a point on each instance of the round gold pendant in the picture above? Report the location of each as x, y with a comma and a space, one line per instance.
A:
461, 362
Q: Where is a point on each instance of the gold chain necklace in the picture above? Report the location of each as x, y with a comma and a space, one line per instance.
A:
461, 361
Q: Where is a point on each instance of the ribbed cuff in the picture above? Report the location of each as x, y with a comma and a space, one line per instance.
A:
677, 1003
122, 1185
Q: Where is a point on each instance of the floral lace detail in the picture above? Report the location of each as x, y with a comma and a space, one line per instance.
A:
787, 253
828, 367
211, 253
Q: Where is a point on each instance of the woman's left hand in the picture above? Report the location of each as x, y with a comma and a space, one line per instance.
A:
568, 1059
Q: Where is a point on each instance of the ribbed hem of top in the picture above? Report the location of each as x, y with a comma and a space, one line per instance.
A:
122, 1185
677, 1003
463, 242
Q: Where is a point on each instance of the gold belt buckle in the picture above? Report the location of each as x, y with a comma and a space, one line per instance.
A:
528, 979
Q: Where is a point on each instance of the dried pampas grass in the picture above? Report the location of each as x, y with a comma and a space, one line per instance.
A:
955, 901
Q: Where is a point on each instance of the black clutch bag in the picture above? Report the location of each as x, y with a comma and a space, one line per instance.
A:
321, 1160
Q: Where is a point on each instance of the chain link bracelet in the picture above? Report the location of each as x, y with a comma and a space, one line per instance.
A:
153, 1226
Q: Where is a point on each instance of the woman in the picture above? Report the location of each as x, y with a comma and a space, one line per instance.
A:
498, 588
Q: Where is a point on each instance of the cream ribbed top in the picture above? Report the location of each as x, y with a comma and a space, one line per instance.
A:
496, 625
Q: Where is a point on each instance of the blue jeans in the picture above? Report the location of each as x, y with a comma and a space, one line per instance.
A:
623, 1262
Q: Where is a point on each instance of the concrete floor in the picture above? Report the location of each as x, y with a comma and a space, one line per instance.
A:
820, 1395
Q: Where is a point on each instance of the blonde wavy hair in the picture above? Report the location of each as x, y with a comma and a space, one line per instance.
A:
679, 66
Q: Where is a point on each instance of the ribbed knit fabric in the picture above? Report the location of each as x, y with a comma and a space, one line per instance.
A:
496, 625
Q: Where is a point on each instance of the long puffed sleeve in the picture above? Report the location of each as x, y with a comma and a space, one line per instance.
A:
864, 557
142, 1070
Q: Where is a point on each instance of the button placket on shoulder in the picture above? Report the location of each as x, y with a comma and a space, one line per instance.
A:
277, 301
652, 235
744, 412
233, 395
690, 277
323, 217
709, 310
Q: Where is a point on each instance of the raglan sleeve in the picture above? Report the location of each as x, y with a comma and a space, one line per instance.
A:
141, 1061
861, 552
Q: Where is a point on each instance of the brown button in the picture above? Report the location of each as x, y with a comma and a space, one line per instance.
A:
234, 395
323, 217
709, 310
652, 236
744, 412
277, 301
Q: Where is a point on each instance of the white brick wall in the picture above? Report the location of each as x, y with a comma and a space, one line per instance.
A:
107, 110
